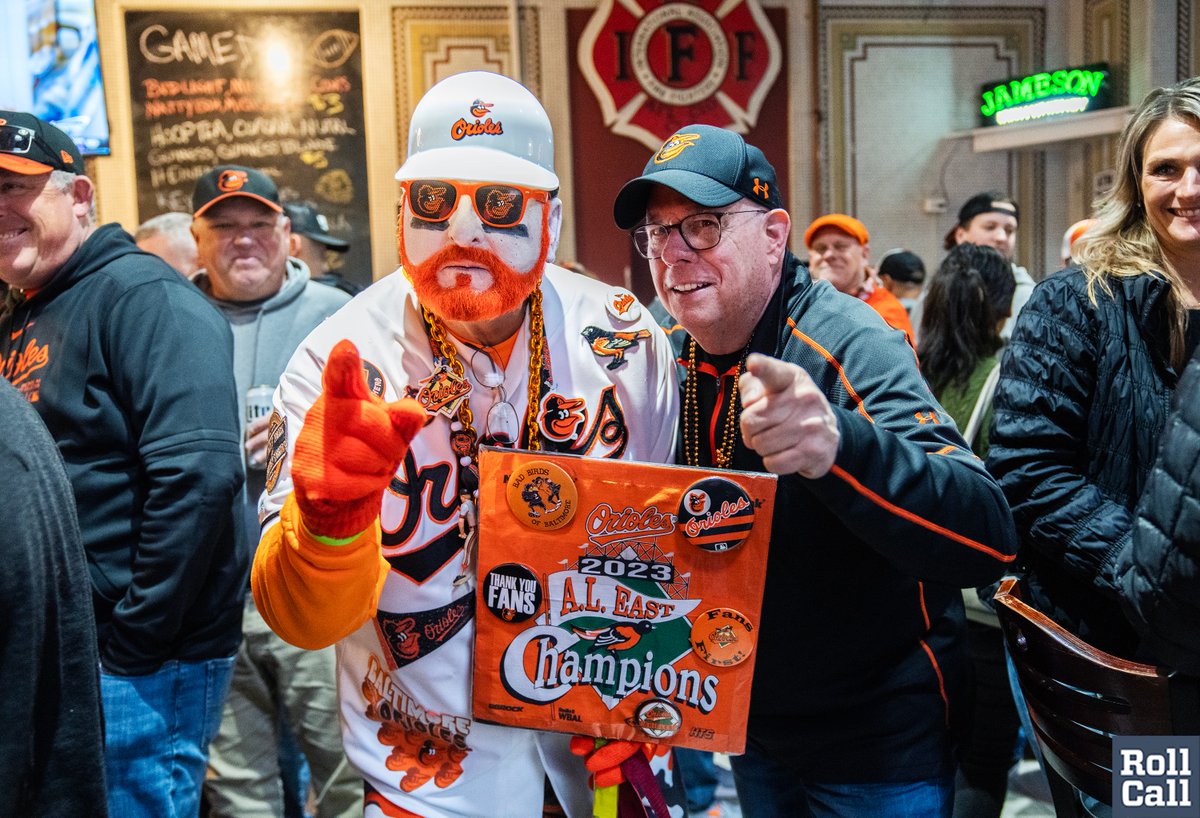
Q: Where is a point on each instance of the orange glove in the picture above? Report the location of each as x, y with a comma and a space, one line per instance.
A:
349, 448
604, 762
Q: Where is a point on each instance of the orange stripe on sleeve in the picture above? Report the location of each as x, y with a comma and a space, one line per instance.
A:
921, 521
941, 682
921, 599
828, 356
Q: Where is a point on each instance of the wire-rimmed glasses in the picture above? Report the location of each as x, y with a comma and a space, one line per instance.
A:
502, 427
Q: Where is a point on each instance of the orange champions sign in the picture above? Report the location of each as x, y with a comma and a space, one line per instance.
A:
658, 65
619, 599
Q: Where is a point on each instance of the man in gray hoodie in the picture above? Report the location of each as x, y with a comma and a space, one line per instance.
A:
243, 237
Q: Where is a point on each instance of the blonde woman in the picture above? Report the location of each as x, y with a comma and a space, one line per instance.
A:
1087, 379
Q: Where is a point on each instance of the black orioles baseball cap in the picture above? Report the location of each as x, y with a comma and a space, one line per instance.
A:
226, 181
711, 166
308, 221
30, 146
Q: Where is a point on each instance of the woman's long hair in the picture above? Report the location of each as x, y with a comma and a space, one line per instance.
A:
1121, 243
967, 299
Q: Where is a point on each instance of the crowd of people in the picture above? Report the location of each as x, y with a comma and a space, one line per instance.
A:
262, 527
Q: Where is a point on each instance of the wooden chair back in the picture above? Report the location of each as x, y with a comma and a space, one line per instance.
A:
1080, 697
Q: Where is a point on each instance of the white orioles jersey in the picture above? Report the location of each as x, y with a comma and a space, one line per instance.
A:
404, 676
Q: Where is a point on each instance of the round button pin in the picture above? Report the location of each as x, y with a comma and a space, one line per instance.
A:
723, 637
622, 304
716, 514
542, 495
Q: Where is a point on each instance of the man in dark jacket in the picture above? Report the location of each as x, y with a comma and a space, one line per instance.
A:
131, 370
52, 747
881, 515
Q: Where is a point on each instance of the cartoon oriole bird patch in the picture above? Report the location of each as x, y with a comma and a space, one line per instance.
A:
611, 344
620, 636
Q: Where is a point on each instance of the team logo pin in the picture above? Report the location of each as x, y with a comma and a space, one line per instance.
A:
657, 718
442, 391
622, 304
542, 495
716, 514
722, 637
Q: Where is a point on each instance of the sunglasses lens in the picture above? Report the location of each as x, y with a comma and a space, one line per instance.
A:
499, 205
15, 139
432, 200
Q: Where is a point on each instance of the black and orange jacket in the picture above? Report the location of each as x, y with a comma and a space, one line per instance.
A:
131, 369
861, 665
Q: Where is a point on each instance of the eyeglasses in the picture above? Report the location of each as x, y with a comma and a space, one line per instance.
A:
433, 200
15, 139
700, 231
502, 427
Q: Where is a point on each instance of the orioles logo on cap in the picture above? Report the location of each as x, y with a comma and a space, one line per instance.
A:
675, 146
232, 180
480, 109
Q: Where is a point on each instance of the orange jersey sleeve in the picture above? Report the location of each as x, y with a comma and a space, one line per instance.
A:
310, 593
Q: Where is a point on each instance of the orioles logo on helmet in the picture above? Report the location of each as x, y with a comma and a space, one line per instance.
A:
232, 180
480, 109
562, 417
675, 146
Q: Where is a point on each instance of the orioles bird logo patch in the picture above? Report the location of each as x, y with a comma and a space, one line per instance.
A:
562, 417
675, 146
480, 109
620, 636
232, 180
610, 344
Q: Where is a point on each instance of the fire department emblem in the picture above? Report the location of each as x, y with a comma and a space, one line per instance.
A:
657, 65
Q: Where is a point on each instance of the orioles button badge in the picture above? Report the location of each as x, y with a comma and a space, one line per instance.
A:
542, 495
657, 718
716, 514
622, 304
722, 637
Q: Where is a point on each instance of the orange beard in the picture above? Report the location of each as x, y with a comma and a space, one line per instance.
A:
509, 289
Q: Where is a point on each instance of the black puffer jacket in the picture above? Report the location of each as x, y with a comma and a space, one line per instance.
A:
1160, 572
1083, 398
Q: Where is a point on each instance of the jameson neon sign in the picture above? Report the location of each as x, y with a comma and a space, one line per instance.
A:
1045, 94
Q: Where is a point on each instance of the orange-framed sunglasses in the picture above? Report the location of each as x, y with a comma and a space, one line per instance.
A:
498, 205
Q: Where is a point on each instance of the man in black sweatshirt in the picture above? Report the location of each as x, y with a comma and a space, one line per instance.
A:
131, 370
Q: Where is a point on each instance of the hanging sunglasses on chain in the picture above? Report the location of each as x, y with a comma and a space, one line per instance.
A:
497, 205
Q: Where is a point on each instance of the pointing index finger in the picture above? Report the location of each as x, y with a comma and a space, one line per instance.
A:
343, 376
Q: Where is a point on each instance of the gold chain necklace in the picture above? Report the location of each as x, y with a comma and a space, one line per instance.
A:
537, 338
723, 456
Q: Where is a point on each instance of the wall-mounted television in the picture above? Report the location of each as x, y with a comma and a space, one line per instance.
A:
51, 67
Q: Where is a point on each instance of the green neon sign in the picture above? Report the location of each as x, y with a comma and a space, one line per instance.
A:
1045, 94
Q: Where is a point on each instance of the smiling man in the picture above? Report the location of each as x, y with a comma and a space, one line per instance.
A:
362, 545
243, 237
882, 514
839, 251
129, 368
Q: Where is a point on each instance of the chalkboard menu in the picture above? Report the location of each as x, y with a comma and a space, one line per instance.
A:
281, 92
